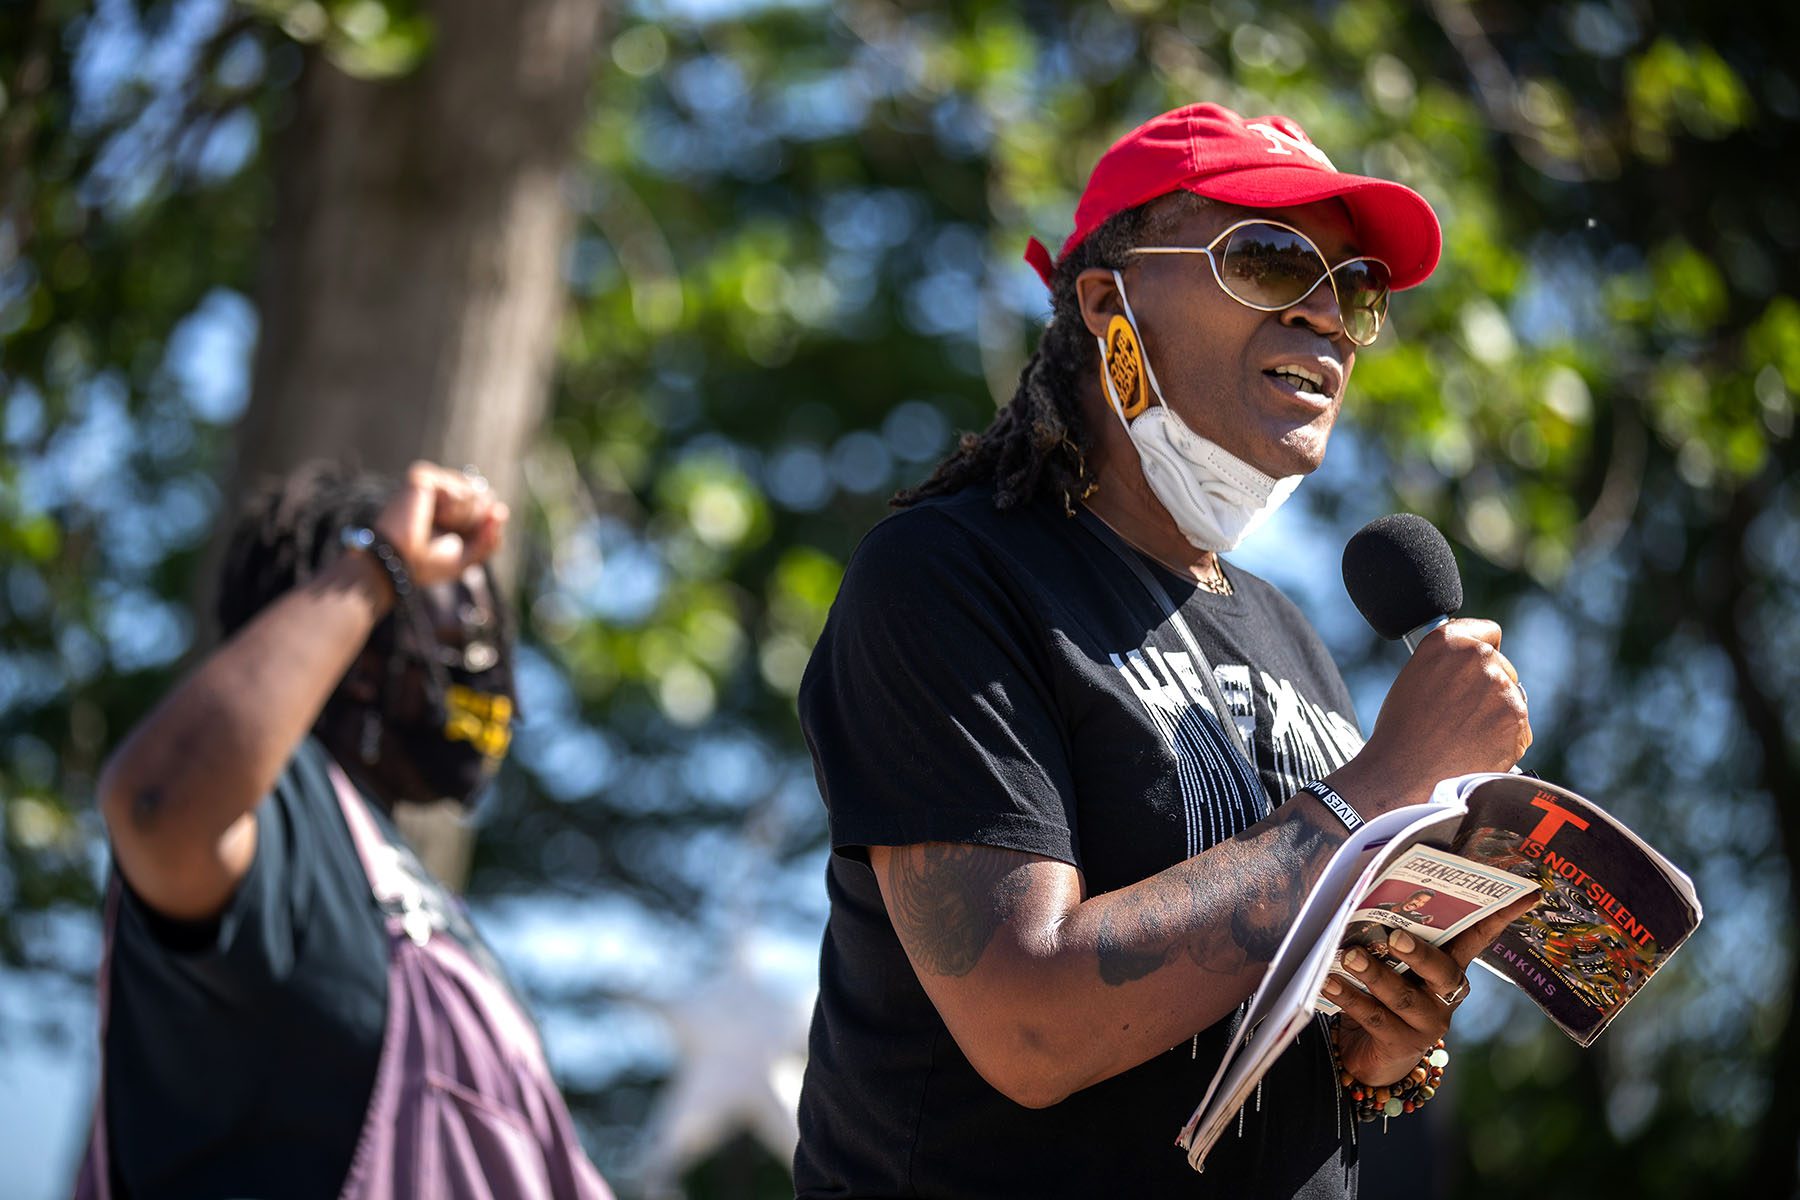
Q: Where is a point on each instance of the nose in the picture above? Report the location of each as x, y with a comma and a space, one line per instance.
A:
1318, 311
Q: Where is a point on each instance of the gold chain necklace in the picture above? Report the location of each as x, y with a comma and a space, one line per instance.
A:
1214, 581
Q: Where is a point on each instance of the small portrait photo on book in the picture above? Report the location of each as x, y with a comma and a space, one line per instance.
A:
1398, 903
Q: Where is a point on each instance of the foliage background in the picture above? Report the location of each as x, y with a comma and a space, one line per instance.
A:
794, 274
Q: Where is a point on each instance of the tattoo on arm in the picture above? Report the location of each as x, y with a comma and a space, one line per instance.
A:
1220, 927
1275, 864
1257, 930
146, 806
1125, 957
946, 902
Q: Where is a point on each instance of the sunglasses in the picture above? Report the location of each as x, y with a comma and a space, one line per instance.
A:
1269, 266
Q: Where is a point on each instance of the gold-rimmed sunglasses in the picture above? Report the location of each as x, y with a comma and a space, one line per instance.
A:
1269, 266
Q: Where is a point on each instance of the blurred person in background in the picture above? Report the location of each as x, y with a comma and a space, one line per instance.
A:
1068, 835
290, 1004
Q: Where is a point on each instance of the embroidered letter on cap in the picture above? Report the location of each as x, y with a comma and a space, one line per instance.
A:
1281, 142
1339, 806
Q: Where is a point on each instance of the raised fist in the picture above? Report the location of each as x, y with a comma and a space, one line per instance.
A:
441, 522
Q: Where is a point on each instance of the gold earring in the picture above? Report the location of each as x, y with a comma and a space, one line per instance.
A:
1123, 365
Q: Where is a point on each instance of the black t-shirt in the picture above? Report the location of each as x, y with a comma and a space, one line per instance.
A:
240, 1052
1002, 679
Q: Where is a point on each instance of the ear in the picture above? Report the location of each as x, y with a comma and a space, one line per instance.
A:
1099, 299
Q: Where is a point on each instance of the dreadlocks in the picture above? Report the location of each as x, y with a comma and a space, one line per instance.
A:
288, 531
1037, 444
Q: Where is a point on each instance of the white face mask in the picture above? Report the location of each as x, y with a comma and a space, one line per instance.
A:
1216, 498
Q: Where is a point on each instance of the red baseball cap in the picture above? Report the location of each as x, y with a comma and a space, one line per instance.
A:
1257, 162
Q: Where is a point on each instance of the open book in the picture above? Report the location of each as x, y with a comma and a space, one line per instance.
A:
1614, 910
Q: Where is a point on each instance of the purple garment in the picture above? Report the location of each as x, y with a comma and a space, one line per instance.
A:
463, 1106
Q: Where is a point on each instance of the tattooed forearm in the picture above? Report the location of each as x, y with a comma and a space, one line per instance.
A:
946, 902
146, 806
1256, 929
1125, 956
1303, 846
1275, 865
1227, 910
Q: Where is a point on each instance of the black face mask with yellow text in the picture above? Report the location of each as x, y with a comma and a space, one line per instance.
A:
459, 751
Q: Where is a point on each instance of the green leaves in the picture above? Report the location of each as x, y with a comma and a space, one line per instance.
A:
1773, 343
1674, 89
370, 39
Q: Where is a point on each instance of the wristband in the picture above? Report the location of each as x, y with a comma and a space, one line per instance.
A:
361, 537
1340, 807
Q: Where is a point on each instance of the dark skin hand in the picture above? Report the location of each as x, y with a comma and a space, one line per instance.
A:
1048, 989
1404, 1014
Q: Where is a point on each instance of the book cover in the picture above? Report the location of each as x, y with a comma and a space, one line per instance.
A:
1614, 911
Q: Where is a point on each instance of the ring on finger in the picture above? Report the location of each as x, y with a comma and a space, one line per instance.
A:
473, 474
1455, 996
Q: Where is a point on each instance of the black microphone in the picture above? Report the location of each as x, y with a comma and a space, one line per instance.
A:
1402, 577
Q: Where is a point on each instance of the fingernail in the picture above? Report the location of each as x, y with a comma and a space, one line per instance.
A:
1332, 986
1356, 960
1401, 940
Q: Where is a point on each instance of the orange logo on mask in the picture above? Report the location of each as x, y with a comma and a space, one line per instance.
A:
1124, 367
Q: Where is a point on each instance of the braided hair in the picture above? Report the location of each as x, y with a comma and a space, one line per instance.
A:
1037, 444
287, 532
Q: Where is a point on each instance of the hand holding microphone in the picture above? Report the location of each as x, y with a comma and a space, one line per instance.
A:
1457, 706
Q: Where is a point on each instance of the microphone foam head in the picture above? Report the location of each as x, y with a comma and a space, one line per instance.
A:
1400, 573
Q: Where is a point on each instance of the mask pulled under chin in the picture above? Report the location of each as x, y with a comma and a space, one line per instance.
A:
1215, 498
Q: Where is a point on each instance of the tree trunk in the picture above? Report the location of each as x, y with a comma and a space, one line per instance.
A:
412, 286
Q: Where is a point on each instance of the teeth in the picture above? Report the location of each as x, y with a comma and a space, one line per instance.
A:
1304, 376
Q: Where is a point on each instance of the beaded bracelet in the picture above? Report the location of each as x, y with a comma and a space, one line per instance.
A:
361, 537
1402, 1096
